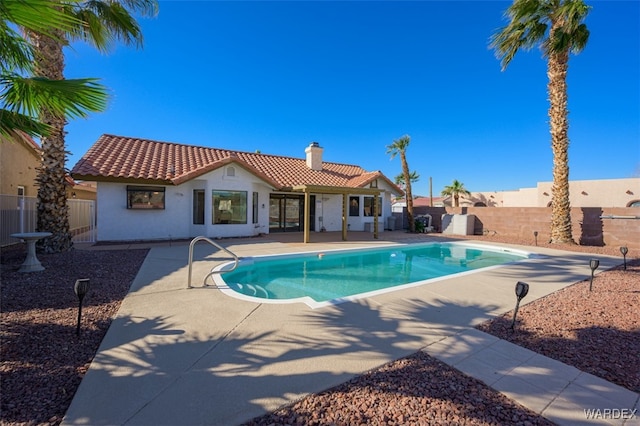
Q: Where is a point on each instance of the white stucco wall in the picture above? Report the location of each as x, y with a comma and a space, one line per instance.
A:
117, 223
357, 223
328, 212
333, 212
241, 181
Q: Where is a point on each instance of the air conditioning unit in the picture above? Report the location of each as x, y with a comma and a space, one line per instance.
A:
458, 224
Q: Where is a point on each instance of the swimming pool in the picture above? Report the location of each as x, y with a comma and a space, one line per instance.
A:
324, 278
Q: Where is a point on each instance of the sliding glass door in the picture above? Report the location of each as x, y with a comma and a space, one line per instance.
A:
286, 212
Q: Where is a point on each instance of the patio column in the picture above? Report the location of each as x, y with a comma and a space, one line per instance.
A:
307, 213
344, 216
375, 216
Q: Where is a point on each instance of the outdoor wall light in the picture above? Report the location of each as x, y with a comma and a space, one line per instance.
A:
81, 288
624, 250
593, 264
521, 291
535, 234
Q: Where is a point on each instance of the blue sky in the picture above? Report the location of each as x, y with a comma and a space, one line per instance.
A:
355, 76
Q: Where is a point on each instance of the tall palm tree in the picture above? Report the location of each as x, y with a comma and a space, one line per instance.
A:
399, 147
21, 94
557, 26
455, 190
103, 23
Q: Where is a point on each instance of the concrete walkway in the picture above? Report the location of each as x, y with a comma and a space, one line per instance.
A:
178, 356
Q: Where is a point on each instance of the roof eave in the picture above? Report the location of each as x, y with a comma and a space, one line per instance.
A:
324, 189
113, 179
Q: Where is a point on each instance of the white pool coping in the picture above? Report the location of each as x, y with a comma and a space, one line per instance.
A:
222, 285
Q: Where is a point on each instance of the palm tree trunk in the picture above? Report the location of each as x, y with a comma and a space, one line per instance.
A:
408, 195
53, 212
558, 115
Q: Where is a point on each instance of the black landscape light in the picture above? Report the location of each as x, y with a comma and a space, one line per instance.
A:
535, 234
593, 264
521, 291
624, 250
81, 288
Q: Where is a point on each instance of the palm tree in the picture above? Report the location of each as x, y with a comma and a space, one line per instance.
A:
400, 179
399, 147
455, 189
557, 26
103, 23
23, 95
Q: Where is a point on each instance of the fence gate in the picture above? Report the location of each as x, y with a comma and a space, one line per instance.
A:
19, 214
82, 220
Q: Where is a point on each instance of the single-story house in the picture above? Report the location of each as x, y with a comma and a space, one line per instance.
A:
150, 190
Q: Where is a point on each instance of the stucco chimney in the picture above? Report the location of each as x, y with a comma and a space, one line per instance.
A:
314, 156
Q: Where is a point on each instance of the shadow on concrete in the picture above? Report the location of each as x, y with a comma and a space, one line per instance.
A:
161, 374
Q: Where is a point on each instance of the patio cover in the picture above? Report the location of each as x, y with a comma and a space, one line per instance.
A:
345, 191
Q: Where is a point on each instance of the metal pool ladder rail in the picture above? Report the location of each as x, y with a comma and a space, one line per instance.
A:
213, 243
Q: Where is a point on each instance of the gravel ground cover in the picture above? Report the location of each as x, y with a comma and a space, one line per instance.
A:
43, 360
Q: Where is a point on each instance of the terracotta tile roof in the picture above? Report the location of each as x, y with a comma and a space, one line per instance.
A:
124, 159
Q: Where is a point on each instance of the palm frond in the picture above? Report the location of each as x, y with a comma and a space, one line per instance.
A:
11, 123
15, 51
71, 98
38, 15
527, 27
108, 22
557, 26
398, 146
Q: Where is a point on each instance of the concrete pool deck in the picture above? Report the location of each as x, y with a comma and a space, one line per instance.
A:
178, 356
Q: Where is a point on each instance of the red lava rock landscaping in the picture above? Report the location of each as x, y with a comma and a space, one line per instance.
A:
596, 331
42, 358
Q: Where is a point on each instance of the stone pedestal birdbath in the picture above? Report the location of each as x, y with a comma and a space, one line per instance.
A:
31, 263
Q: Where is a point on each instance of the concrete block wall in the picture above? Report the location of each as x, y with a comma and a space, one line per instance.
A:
590, 225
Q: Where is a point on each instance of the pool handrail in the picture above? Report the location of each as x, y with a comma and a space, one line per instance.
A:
213, 271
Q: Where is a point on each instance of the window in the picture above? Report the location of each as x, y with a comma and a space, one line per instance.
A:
198, 206
354, 206
145, 197
368, 206
229, 207
255, 207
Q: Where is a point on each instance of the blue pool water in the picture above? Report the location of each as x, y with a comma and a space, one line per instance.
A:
332, 275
